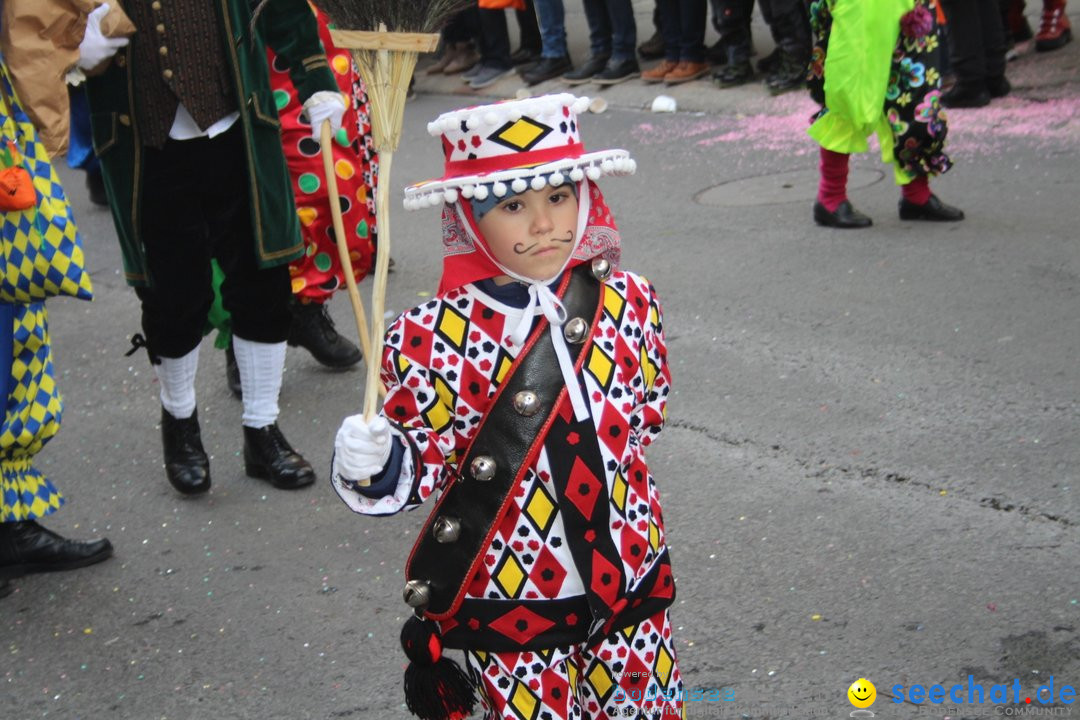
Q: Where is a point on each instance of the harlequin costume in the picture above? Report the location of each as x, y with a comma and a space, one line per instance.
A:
874, 69
41, 256
545, 556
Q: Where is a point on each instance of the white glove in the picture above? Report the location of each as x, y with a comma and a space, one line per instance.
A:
362, 448
324, 105
95, 48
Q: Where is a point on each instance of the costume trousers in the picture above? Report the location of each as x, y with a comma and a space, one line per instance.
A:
195, 207
976, 39
632, 674
787, 19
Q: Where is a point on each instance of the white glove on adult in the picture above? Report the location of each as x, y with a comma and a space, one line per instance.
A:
95, 48
362, 448
324, 105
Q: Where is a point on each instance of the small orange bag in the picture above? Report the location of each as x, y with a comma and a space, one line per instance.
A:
16, 185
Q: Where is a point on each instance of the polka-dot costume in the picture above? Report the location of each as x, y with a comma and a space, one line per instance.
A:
317, 275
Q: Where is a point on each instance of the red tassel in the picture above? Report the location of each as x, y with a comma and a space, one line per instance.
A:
435, 686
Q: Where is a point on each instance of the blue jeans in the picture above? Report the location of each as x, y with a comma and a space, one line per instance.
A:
552, 28
612, 30
683, 25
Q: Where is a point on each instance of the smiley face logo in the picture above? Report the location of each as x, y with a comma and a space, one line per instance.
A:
862, 693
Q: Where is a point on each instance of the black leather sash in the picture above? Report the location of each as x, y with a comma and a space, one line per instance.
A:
512, 440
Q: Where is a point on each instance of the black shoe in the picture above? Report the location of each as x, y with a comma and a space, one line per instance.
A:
232, 373
268, 456
616, 71
95, 186
770, 63
844, 216
933, 210
653, 48
790, 74
524, 55
547, 69
26, 547
6, 588
186, 464
313, 330
966, 95
587, 70
717, 53
735, 74
998, 87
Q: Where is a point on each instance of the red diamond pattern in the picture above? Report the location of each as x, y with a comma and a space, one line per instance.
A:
583, 488
521, 625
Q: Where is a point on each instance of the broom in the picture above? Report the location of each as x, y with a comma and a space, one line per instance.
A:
385, 38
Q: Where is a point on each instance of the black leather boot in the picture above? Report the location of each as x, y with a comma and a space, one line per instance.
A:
186, 464
26, 547
933, 210
844, 216
232, 373
268, 456
313, 330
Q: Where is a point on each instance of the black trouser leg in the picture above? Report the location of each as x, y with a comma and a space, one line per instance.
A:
494, 39
733, 24
976, 40
790, 26
195, 207
528, 27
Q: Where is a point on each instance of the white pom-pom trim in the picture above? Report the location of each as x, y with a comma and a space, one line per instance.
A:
492, 119
577, 175
538, 183
451, 195
520, 185
580, 105
472, 123
556, 179
467, 192
480, 192
499, 189
593, 172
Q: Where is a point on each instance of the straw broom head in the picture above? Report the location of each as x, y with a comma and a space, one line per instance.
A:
387, 72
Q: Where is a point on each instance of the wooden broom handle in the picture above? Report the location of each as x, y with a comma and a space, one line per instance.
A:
334, 201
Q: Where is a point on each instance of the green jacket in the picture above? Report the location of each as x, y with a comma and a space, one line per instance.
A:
289, 27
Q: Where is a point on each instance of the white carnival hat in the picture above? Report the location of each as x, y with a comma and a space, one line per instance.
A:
512, 146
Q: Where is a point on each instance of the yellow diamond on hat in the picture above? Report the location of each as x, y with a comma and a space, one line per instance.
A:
521, 135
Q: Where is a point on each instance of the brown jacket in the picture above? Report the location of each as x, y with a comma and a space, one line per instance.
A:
40, 43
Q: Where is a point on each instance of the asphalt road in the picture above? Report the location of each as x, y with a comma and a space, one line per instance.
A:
869, 469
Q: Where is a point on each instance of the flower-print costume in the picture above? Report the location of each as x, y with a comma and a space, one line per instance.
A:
317, 275
874, 69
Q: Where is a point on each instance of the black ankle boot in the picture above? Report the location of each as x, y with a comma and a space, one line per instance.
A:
186, 464
268, 456
844, 216
232, 373
26, 547
313, 330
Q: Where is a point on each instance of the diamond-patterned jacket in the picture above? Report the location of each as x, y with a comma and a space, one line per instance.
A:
581, 551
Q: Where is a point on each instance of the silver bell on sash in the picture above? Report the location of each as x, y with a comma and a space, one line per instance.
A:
417, 593
526, 403
601, 269
482, 468
446, 529
576, 330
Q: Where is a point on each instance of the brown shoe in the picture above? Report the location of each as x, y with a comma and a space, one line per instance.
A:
450, 51
686, 71
658, 73
465, 59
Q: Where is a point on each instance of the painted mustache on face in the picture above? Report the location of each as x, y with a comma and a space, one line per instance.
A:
521, 249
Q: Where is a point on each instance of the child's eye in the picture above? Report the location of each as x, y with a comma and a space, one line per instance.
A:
512, 206
557, 197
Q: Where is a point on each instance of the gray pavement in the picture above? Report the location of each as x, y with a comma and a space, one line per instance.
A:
869, 469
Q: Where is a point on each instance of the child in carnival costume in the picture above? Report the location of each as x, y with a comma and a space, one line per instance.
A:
525, 394
874, 70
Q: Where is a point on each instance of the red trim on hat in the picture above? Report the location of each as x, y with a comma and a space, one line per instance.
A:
482, 166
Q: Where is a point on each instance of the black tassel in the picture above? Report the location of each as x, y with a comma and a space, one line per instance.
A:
435, 686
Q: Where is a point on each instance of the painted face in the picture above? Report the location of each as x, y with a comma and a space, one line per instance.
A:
533, 234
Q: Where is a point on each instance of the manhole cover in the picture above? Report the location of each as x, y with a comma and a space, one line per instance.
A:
777, 188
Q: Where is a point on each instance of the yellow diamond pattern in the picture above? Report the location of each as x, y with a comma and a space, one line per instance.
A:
618, 492
654, 535
540, 509
600, 680
452, 326
511, 576
600, 366
522, 134
614, 305
662, 668
504, 366
524, 703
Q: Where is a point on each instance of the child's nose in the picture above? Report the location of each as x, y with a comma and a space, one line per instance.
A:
542, 222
